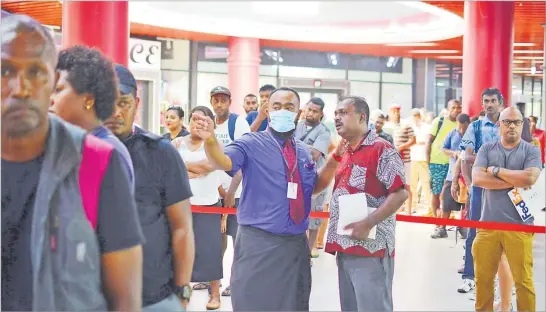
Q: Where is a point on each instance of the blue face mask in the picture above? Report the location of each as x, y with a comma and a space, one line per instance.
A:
282, 120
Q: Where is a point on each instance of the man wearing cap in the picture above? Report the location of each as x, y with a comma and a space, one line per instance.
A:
229, 127
419, 165
162, 193
404, 139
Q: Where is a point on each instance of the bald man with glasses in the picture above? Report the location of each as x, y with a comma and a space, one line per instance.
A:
500, 167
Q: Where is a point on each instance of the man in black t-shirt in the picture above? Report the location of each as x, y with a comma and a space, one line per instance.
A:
162, 195
51, 258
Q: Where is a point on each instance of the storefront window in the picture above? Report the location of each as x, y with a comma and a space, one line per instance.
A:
536, 105
381, 80
175, 88
175, 77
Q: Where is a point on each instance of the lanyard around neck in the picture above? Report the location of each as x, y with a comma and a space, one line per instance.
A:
284, 158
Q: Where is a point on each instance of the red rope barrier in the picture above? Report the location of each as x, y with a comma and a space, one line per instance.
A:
411, 219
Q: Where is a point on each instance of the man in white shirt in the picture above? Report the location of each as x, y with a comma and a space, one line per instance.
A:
229, 127
419, 166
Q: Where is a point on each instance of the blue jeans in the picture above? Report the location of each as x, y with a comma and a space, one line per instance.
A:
475, 214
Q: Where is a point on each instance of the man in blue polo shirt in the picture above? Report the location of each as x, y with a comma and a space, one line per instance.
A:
271, 266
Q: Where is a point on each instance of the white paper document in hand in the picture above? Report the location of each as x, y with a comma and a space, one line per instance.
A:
353, 208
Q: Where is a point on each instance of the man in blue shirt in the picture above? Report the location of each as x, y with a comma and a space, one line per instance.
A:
478, 133
258, 119
271, 265
451, 148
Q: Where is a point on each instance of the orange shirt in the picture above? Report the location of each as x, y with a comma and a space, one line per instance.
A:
541, 136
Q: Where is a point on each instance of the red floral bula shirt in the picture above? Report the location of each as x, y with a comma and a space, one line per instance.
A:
376, 169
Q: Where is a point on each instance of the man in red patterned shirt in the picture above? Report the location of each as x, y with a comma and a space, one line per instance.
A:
370, 166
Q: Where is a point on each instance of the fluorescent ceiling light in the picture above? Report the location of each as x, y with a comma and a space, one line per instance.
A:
296, 8
293, 23
530, 58
433, 51
450, 57
528, 51
414, 44
523, 44
518, 61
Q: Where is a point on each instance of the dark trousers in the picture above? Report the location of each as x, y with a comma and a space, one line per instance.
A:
475, 213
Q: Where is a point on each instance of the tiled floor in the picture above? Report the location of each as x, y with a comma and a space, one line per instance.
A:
425, 279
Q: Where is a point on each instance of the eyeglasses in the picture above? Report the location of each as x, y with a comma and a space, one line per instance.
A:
517, 122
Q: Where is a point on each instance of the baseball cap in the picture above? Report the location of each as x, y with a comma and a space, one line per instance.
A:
416, 111
395, 106
127, 82
220, 90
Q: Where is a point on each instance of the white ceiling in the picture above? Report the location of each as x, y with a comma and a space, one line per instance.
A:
308, 21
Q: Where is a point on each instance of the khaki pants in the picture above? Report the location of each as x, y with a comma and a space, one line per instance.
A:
420, 172
487, 251
322, 229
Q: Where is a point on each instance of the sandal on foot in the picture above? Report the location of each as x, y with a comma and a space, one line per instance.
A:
213, 304
226, 292
201, 286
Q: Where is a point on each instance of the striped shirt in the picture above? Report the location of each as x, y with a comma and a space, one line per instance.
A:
401, 134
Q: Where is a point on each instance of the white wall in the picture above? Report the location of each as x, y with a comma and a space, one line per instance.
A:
307, 72
399, 94
368, 90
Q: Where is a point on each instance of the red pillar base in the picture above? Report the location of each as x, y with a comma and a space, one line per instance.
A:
243, 70
487, 51
100, 24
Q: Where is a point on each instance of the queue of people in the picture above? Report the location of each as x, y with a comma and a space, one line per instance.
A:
97, 211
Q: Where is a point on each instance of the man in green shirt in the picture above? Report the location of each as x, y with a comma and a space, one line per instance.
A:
437, 160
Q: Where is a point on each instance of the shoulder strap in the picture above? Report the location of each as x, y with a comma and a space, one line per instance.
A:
309, 132
231, 125
477, 135
440, 124
95, 158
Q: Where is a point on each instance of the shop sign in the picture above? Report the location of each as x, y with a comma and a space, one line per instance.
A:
144, 54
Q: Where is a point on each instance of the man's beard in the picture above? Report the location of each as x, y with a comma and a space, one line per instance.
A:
283, 134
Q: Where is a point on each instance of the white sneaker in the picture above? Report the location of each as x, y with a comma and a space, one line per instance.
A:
468, 285
472, 296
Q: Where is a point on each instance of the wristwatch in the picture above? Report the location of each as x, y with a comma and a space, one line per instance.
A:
183, 292
496, 172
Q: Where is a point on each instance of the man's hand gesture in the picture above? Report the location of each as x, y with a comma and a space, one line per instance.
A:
202, 126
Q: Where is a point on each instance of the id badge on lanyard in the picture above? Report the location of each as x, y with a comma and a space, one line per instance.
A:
292, 191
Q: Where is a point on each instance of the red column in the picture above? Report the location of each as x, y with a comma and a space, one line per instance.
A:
243, 70
100, 24
487, 51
